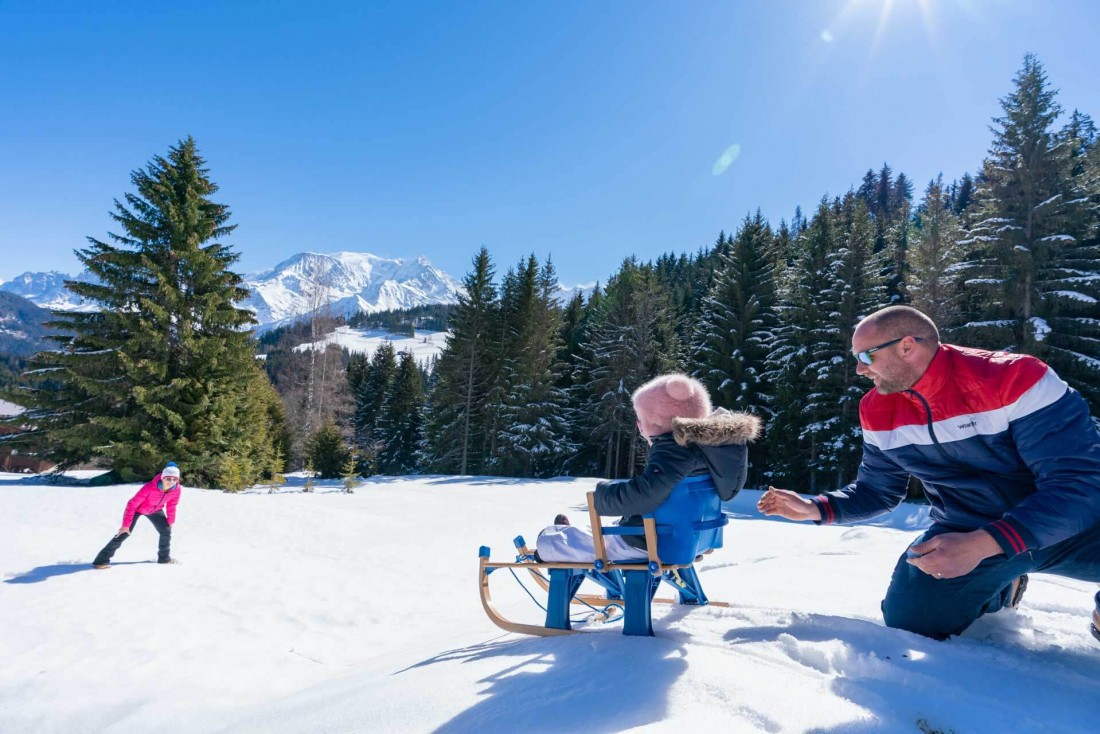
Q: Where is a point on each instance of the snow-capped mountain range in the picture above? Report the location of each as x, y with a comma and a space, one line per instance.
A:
345, 283
48, 291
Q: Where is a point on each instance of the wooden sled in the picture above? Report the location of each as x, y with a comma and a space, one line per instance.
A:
688, 525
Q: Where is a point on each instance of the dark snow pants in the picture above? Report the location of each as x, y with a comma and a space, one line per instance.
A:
160, 522
939, 608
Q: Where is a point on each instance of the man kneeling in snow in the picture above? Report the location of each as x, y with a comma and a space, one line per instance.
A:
1010, 461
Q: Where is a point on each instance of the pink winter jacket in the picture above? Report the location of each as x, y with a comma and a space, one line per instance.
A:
150, 499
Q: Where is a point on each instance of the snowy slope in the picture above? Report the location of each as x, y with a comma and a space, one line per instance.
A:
359, 613
424, 346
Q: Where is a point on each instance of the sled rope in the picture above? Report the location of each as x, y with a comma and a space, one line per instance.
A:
540, 606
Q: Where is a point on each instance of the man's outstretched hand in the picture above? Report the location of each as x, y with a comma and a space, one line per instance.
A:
788, 504
951, 555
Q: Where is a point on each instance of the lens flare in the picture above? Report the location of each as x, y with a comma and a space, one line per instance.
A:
726, 159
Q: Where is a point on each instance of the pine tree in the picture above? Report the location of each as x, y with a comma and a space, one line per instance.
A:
350, 474
401, 425
1072, 284
962, 194
277, 478
573, 322
164, 368
464, 376
933, 281
327, 451
631, 340
737, 326
885, 195
534, 436
868, 189
789, 436
856, 287
369, 397
310, 474
1032, 281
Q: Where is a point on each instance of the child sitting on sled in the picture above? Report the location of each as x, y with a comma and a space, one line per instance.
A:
156, 500
686, 438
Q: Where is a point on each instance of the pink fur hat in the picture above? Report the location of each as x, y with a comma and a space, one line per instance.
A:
666, 397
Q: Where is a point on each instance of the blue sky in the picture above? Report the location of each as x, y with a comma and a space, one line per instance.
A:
586, 131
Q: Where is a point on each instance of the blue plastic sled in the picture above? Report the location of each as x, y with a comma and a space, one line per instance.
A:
687, 525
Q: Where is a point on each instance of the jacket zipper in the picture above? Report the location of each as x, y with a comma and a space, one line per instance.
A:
931, 430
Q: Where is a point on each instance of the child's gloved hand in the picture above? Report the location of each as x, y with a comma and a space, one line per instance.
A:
122, 531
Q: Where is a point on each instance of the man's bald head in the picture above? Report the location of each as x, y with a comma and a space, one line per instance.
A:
894, 321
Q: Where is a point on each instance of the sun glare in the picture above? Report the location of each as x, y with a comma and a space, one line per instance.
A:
885, 9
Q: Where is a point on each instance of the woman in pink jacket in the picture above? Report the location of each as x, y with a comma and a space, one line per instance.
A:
154, 500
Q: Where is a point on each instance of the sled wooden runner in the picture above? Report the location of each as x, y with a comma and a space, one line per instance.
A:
672, 542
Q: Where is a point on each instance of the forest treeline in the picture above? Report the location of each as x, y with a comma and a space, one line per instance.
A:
529, 386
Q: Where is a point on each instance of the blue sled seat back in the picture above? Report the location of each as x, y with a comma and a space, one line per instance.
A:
690, 521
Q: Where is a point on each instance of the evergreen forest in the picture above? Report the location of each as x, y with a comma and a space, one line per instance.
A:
1006, 257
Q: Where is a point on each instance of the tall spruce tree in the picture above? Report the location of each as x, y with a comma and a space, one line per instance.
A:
933, 281
856, 287
164, 369
1032, 282
737, 326
1073, 344
464, 375
789, 436
369, 399
632, 340
534, 436
401, 424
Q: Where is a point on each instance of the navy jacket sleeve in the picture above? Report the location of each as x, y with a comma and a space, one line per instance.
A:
668, 463
880, 486
1061, 446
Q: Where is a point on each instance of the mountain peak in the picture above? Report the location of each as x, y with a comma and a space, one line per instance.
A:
346, 283
343, 282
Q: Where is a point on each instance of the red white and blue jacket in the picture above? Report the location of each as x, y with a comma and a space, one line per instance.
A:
999, 441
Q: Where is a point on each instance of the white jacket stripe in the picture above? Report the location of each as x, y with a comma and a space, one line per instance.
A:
967, 425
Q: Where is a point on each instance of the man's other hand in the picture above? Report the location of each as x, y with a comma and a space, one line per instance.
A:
951, 555
788, 504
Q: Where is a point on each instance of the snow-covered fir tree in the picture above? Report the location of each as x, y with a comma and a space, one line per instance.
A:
631, 339
370, 395
534, 436
400, 427
932, 282
1032, 277
464, 376
790, 442
856, 286
737, 326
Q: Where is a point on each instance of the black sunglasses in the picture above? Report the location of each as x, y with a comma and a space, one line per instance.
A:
865, 355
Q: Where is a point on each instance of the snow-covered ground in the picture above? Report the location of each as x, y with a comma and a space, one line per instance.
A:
330, 612
9, 409
424, 346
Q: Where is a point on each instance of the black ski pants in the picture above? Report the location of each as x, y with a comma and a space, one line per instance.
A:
160, 522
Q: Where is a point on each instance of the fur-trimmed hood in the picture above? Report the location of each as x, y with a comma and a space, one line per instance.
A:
720, 428
716, 444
